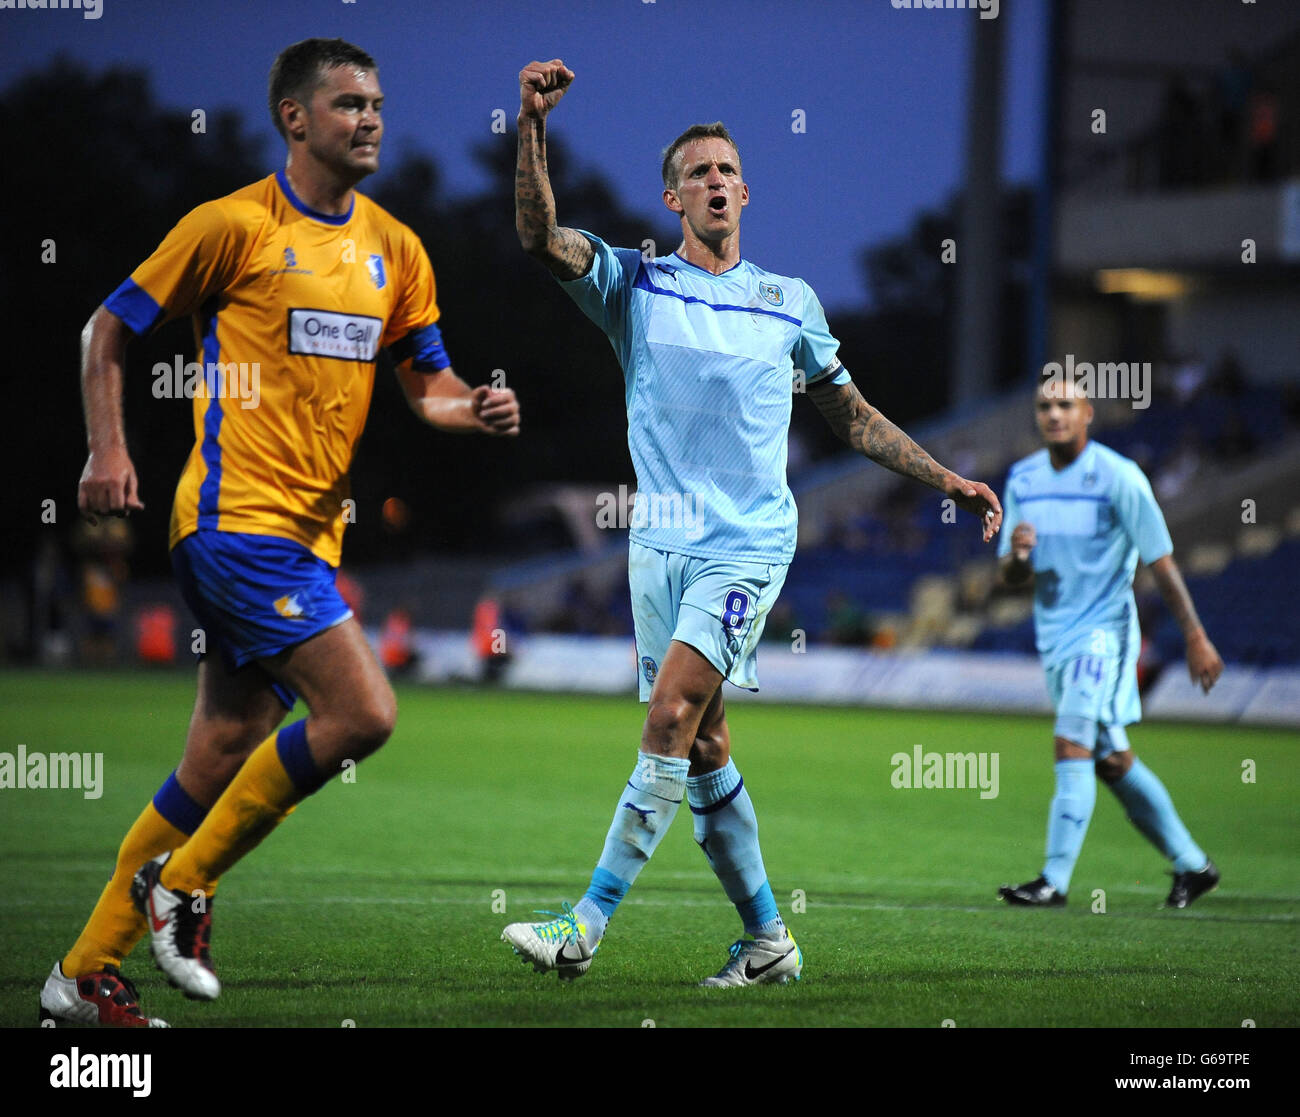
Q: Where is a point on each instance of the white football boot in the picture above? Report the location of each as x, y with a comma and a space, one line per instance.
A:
759, 962
560, 945
103, 998
178, 935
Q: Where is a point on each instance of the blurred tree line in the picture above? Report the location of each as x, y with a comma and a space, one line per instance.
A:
110, 171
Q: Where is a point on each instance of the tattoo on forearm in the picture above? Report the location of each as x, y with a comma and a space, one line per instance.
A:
534, 203
565, 251
866, 430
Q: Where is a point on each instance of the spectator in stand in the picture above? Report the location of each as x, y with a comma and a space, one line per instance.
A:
1182, 136
1262, 133
1233, 87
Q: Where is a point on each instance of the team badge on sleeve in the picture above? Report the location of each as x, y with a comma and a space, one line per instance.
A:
650, 668
375, 265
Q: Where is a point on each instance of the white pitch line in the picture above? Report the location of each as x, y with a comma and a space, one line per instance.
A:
808, 883
830, 905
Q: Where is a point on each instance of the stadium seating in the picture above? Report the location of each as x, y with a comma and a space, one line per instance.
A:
878, 576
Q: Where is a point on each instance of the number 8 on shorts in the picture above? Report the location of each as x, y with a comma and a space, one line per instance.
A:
734, 608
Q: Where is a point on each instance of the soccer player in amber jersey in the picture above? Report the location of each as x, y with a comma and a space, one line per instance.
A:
294, 284
709, 344
1081, 517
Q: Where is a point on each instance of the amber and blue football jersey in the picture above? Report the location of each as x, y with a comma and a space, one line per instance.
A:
290, 309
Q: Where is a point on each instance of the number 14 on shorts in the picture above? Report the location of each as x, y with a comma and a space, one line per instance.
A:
1088, 667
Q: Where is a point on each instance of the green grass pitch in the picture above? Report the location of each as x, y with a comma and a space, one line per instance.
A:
380, 901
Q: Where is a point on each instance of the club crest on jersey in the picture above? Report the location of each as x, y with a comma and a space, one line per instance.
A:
649, 668
771, 293
288, 606
375, 265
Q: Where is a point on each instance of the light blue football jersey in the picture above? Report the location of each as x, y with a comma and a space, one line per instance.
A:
1095, 518
709, 367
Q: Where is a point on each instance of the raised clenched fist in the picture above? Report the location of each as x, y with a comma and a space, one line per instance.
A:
541, 85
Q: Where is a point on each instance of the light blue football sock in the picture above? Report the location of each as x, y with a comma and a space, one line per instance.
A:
645, 811
1151, 810
726, 829
1067, 820
596, 908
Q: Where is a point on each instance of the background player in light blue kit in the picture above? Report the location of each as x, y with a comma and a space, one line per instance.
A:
709, 346
1082, 515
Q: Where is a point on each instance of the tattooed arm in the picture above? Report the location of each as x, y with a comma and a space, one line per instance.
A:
566, 252
867, 431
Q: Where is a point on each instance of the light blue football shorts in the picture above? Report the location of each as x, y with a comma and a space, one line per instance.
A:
1095, 697
717, 606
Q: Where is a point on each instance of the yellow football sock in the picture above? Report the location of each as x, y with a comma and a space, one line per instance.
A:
114, 927
256, 801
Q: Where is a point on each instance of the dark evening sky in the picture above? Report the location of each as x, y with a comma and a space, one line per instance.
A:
882, 91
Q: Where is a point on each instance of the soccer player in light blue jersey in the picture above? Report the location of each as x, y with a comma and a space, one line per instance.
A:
710, 346
1082, 516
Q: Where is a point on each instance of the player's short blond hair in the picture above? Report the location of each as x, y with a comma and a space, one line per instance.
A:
671, 169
